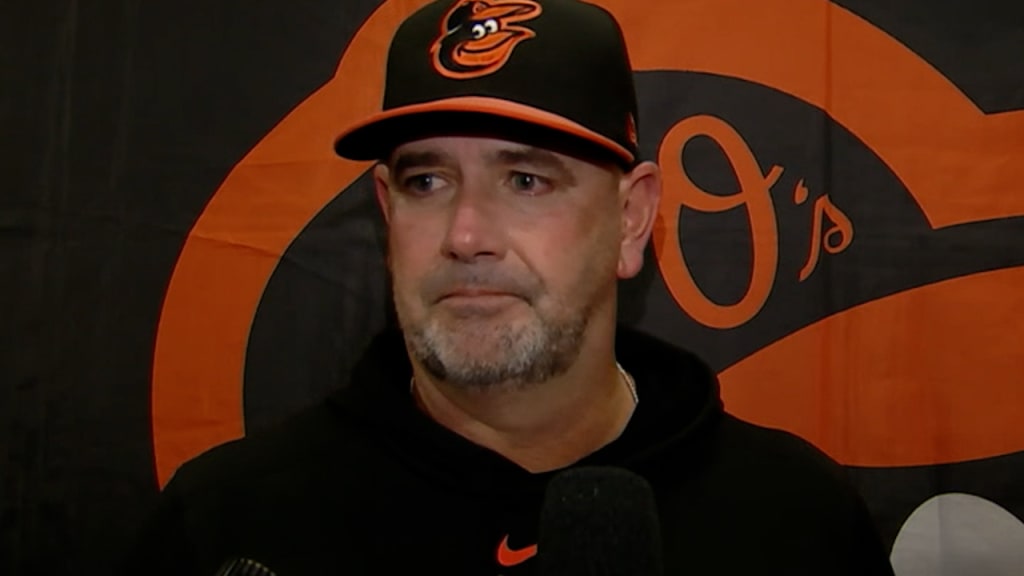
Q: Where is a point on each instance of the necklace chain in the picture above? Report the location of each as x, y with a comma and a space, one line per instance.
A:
630, 383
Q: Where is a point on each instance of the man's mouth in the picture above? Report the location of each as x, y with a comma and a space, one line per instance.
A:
477, 293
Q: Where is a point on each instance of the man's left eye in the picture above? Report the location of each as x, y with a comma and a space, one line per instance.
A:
524, 182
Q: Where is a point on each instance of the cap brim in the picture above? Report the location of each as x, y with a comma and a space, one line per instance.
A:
376, 136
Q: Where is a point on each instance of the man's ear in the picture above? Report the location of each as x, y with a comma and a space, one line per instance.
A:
381, 178
639, 193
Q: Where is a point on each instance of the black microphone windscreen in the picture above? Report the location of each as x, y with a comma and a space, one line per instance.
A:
244, 567
599, 521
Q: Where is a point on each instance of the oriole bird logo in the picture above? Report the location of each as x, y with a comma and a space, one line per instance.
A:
478, 36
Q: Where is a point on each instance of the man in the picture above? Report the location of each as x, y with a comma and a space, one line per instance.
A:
515, 200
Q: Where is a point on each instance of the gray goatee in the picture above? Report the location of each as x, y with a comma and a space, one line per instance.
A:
518, 356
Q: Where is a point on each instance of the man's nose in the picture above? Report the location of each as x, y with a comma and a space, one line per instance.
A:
475, 229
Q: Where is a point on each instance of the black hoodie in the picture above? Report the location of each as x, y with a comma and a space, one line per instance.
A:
365, 483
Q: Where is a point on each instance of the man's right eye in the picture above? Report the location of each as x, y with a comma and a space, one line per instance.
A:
421, 184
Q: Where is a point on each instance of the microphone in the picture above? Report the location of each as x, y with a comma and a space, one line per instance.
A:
244, 567
599, 521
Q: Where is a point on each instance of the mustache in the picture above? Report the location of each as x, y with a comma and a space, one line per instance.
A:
450, 279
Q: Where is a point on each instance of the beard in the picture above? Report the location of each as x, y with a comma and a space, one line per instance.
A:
477, 350
514, 356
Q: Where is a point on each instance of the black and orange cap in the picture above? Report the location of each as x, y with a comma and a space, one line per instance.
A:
456, 66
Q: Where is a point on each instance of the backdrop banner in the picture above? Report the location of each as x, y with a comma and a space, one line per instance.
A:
841, 234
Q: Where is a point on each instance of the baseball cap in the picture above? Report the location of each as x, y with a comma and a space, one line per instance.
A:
557, 69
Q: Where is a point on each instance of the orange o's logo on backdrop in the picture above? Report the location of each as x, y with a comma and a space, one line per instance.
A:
478, 36
755, 197
887, 404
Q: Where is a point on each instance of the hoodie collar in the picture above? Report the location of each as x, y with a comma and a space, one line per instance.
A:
679, 405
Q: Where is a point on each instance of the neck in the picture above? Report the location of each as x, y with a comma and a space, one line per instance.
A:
543, 426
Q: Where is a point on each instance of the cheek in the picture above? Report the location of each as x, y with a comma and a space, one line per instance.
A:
410, 251
571, 255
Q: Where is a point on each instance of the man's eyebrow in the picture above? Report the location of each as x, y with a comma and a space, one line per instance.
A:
535, 157
407, 160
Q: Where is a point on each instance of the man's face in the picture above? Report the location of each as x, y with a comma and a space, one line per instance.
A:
500, 254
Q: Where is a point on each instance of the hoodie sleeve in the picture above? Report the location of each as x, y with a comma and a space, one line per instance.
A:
163, 547
867, 554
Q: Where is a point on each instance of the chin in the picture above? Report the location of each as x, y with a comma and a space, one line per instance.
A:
517, 345
484, 339
472, 344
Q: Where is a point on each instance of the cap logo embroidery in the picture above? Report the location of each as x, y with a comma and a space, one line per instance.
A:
478, 36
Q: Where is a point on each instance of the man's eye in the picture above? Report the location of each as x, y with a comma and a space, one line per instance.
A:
529, 183
421, 183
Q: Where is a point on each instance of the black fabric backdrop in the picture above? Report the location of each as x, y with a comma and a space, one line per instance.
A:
120, 120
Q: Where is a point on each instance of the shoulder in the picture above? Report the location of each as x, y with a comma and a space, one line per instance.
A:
295, 448
780, 499
782, 446
779, 455
802, 491
784, 476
